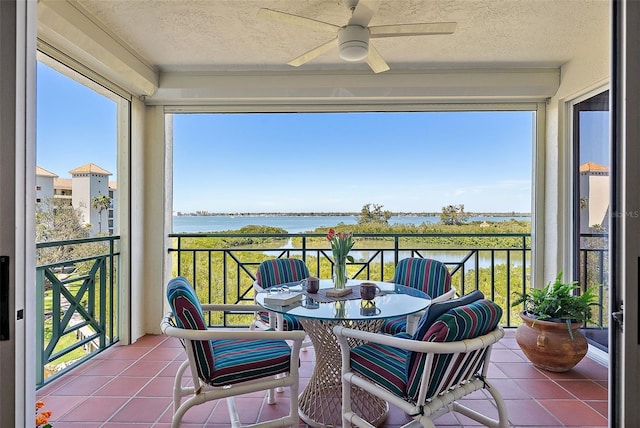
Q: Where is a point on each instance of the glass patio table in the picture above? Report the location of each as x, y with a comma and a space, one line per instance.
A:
320, 402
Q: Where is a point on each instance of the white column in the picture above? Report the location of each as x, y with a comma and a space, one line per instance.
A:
150, 220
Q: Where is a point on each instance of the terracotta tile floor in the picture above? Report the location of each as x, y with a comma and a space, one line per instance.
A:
130, 386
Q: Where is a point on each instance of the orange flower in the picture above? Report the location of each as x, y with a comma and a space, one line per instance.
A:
42, 417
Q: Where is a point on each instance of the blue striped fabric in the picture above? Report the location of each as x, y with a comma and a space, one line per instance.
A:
243, 360
281, 271
399, 370
462, 322
224, 362
394, 325
384, 365
289, 322
435, 310
430, 276
188, 315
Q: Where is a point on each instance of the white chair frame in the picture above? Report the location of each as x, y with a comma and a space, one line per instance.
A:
200, 392
432, 407
414, 319
445, 296
275, 320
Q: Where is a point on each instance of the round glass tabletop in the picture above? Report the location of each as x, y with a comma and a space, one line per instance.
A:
393, 300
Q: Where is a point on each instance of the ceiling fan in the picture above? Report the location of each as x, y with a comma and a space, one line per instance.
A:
352, 39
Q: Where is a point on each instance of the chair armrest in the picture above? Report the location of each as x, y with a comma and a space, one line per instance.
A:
445, 296
220, 334
218, 307
342, 333
257, 287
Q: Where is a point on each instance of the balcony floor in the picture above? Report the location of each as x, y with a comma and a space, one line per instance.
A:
131, 386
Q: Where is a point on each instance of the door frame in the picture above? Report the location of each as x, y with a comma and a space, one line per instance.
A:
625, 219
17, 211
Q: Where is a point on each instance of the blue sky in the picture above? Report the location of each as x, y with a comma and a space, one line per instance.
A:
307, 162
327, 162
75, 125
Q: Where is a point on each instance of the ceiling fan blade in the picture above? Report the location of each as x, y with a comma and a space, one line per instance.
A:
315, 52
296, 19
412, 29
375, 60
363, 12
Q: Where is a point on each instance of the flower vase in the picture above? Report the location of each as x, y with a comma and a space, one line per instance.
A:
340, 273
339, 310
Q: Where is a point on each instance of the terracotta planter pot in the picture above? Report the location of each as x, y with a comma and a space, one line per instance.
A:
548, 344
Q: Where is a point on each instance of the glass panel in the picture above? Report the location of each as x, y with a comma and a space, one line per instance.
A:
77, 139
77, 262
591, 206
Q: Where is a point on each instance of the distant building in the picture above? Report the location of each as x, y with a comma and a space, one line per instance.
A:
594, 196
44, 184
86, 182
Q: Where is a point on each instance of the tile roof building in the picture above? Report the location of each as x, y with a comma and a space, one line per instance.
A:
87, 182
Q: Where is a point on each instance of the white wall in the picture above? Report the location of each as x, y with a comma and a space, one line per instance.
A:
46, 187
586, 72
599, 195
85, 187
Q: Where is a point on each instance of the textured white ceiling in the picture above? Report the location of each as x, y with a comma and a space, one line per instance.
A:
224, 35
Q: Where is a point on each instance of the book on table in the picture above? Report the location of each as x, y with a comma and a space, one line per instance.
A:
282, 299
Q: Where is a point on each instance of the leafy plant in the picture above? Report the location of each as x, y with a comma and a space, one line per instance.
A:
557, 301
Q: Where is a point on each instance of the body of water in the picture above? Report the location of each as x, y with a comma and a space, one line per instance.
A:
294, 224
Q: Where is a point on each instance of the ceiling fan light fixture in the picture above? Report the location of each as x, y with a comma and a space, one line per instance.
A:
353, 42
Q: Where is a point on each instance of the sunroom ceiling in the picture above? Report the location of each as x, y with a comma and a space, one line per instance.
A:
222, 35
228, 36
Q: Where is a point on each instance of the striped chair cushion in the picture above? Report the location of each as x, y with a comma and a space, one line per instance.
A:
394, 325
462, 322
224, 362
290, 323
435, 310
382, 364
188, 314
281, 271
243, 360
430, 276
398, 325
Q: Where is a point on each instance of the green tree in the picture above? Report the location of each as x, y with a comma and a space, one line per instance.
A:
57, 220
454, 215
100, 203
373, 213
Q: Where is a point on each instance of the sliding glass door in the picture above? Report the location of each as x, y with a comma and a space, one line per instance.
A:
591, 195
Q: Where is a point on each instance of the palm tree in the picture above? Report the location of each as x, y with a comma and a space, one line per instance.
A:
100, 203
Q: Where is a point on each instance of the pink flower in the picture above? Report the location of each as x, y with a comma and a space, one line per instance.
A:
331, 234
341, 244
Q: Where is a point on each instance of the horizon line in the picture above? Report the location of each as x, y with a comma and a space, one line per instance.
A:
345, 213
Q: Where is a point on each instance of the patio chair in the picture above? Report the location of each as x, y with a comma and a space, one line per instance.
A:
425, 374
427, 275
227, 363
274, 272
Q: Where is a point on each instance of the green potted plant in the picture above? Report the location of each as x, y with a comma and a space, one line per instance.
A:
552, 315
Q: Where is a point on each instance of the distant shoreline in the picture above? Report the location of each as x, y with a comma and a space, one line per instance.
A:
334, 214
